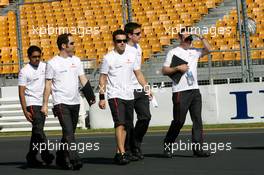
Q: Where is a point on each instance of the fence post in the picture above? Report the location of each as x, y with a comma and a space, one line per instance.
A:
209, 68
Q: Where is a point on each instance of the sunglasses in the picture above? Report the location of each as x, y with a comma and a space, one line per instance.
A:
138, 33
36, 56
71, 43
121, 40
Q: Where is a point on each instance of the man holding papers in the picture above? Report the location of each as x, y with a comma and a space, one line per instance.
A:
181, 66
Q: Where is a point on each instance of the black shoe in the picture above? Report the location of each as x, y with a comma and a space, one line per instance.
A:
167, 151
131, 156
116, 158
64, 164
47, 158
32, 161
201, 154
77, 165
167, 154
121, 159
61, 161
137, 153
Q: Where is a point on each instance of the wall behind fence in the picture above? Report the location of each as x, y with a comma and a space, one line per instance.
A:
228, 103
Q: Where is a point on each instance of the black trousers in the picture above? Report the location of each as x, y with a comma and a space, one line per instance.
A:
68, 118
182, 102
135, 134
37, 134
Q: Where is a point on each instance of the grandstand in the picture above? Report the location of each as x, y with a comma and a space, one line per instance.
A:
101, 17
93, 21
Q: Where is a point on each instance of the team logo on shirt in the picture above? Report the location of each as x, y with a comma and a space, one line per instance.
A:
73, 65
128, 61
63, 71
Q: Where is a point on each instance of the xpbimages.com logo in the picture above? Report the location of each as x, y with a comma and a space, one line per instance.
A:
213, 31
75, 30
80, 147
190, 146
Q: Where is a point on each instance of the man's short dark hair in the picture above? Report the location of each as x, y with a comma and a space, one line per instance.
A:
32, 49
63, 39
118, 32
185, 29
131, 26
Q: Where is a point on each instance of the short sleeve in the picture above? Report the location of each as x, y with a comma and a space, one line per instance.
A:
139, 57
81, 71
137, 63
139, 54
49, 71
198, 52
168, 59
22, 78
104, 67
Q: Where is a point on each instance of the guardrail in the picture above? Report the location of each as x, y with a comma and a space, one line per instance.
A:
12, 118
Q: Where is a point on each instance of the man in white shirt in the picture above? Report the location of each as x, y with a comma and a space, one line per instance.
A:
141, 102
63, 73
186, 95
31, 82
117, 70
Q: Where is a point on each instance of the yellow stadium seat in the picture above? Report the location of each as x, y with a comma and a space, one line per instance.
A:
262, 55
4, 3
203, 59
217, 56
146, 54
196, 16
90, 53
15, 69
255, 54
34, 42
197, 44
203, 9
45, 43
5, 54
164, 17
5, 69
188, 22
165, 40
229, 56
160, 11
211, 4
156, 47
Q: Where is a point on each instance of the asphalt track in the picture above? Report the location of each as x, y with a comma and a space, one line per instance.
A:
245, 158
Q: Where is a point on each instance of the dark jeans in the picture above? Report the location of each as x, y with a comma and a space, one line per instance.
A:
68, 118
135, 135
37, 135
182, 102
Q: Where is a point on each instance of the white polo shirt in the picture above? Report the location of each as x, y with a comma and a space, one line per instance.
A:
65, 73
119, 70
34, 81
139, 59
191, 56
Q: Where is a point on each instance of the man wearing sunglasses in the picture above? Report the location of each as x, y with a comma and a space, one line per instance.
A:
63, 74
31, 82
117, 70
186, 95
141, 102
